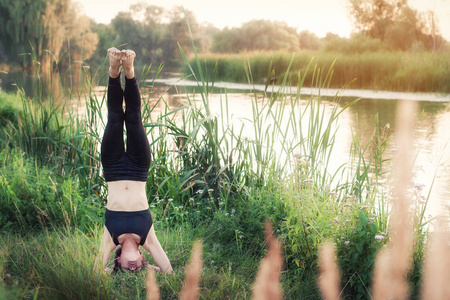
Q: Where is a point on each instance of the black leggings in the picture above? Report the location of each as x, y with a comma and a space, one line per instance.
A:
118, 164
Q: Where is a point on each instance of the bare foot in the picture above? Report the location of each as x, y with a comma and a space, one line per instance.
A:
127, 63
150, 266
115, 61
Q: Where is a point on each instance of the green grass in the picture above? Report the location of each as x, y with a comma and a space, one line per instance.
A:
57, 264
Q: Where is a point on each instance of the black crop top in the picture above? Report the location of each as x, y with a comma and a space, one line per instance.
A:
120, 222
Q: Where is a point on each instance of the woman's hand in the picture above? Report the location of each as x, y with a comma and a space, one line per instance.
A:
150, 266
108, 270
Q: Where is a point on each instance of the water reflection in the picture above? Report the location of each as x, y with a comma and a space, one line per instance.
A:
432, 136
54, 86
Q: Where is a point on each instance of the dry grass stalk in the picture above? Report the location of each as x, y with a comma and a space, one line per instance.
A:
436, 278
329, 272
152, 286
401, 220
267, 284
193, 273
382, 276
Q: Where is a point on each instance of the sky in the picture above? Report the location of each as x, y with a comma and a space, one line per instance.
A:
317, 16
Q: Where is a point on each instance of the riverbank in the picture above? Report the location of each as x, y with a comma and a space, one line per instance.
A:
424, 72
307, 91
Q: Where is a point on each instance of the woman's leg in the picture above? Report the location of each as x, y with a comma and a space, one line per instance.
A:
138, 148
112, 147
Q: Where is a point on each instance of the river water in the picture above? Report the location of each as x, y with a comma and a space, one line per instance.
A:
431, 140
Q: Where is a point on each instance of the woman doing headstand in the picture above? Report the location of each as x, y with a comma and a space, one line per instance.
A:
128, 222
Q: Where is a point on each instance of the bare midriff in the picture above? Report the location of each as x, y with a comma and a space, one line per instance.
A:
127, 195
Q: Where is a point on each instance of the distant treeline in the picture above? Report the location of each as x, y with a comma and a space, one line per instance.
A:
52, 35
383, 70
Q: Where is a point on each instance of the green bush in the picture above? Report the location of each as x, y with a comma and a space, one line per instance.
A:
34, 197
242, 223
358, 241
313, 216
8, 113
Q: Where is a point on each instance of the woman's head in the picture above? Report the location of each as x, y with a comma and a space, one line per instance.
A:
128, 259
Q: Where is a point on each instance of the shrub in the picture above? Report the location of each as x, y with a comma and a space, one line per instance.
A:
314, 216
358, 241
32, 196
8, 113
242, 223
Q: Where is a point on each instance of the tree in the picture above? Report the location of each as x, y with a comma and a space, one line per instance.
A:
374, 16
432, 38
49, 28
393, 22
309, 40
106, 36
256, 35
177, 32
22, 25
154, 32
225, 41
69, 39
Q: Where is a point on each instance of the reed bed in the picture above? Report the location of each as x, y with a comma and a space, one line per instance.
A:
384, 70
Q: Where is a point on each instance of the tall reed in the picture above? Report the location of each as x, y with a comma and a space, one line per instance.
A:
190, 290
398, 256
437, 263
329, 273
267, 283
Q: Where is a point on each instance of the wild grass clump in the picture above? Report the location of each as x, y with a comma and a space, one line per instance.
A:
437, 263
34, 197
56, 265
193, 273
315, 215
50, 165
8, 113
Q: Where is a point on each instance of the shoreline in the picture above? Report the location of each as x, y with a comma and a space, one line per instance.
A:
328, 92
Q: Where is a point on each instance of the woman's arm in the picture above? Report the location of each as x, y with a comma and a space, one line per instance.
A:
153, 246
107, 246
